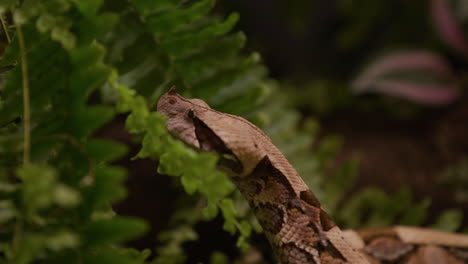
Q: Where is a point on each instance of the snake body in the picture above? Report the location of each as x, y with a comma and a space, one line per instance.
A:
298, 228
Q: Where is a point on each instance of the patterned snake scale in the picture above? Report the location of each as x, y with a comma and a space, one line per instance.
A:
296, 225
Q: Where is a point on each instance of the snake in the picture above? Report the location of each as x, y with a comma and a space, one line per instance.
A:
297, 226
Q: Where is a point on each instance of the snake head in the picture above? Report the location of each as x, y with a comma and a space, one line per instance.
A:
199, 126
180, 112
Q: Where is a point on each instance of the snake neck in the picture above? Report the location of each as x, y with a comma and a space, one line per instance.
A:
295, 224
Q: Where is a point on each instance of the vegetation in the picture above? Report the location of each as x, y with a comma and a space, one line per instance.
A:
68, 67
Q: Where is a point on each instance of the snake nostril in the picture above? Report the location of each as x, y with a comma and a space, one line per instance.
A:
172, 101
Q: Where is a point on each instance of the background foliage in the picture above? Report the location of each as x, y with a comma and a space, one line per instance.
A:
85, 63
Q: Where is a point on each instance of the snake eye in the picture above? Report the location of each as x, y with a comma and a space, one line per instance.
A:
190, 114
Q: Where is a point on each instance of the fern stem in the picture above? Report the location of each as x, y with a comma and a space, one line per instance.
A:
5, 29
26, 127
26, 99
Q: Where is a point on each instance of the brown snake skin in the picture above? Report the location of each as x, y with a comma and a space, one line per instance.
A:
296, 225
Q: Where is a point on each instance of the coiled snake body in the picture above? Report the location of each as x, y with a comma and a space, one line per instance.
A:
297, 227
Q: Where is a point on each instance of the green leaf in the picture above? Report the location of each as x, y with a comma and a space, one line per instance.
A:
373, 208
46, 22
417, 214
38, 186
211, 57
450, 220
218, 258
118, 229
148, 6
103, 150
210, 211
172, 252
51, 74
106, 188
83, 57
110, 256
66, 196
65, 37
7, 211
170, 21
62, 239
126, 95
229, 214
87, 120
172, 162
95, 27
31, 245
6, 4
190, 184
136, 121
88, 7
182, 43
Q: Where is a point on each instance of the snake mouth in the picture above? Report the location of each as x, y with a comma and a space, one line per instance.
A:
209, 141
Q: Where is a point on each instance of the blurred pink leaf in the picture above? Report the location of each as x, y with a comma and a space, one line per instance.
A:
432, 94
447, 26
377, 77
399, 61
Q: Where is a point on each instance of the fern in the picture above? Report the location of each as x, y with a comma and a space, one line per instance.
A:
68, 175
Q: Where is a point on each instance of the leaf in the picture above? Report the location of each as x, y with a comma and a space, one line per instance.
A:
95, 27
148, 6
169, 21
65, 37
6, 4
184, 42
62, 240
103, 150
113, 230
190, 184
106, 188
87, 120
38, 187
229, 214
66, 196
46, 23
7, 211
136, 121
455, 177
417, 214
218, 258
31, 245
447, 26
419, 76
210, 211
49, 55
88, 7
340, 182
450, 220
110, 256
172, 252
373, 208
210, 58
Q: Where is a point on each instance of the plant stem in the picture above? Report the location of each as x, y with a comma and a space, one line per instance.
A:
5, 29
26, 127
26, 99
